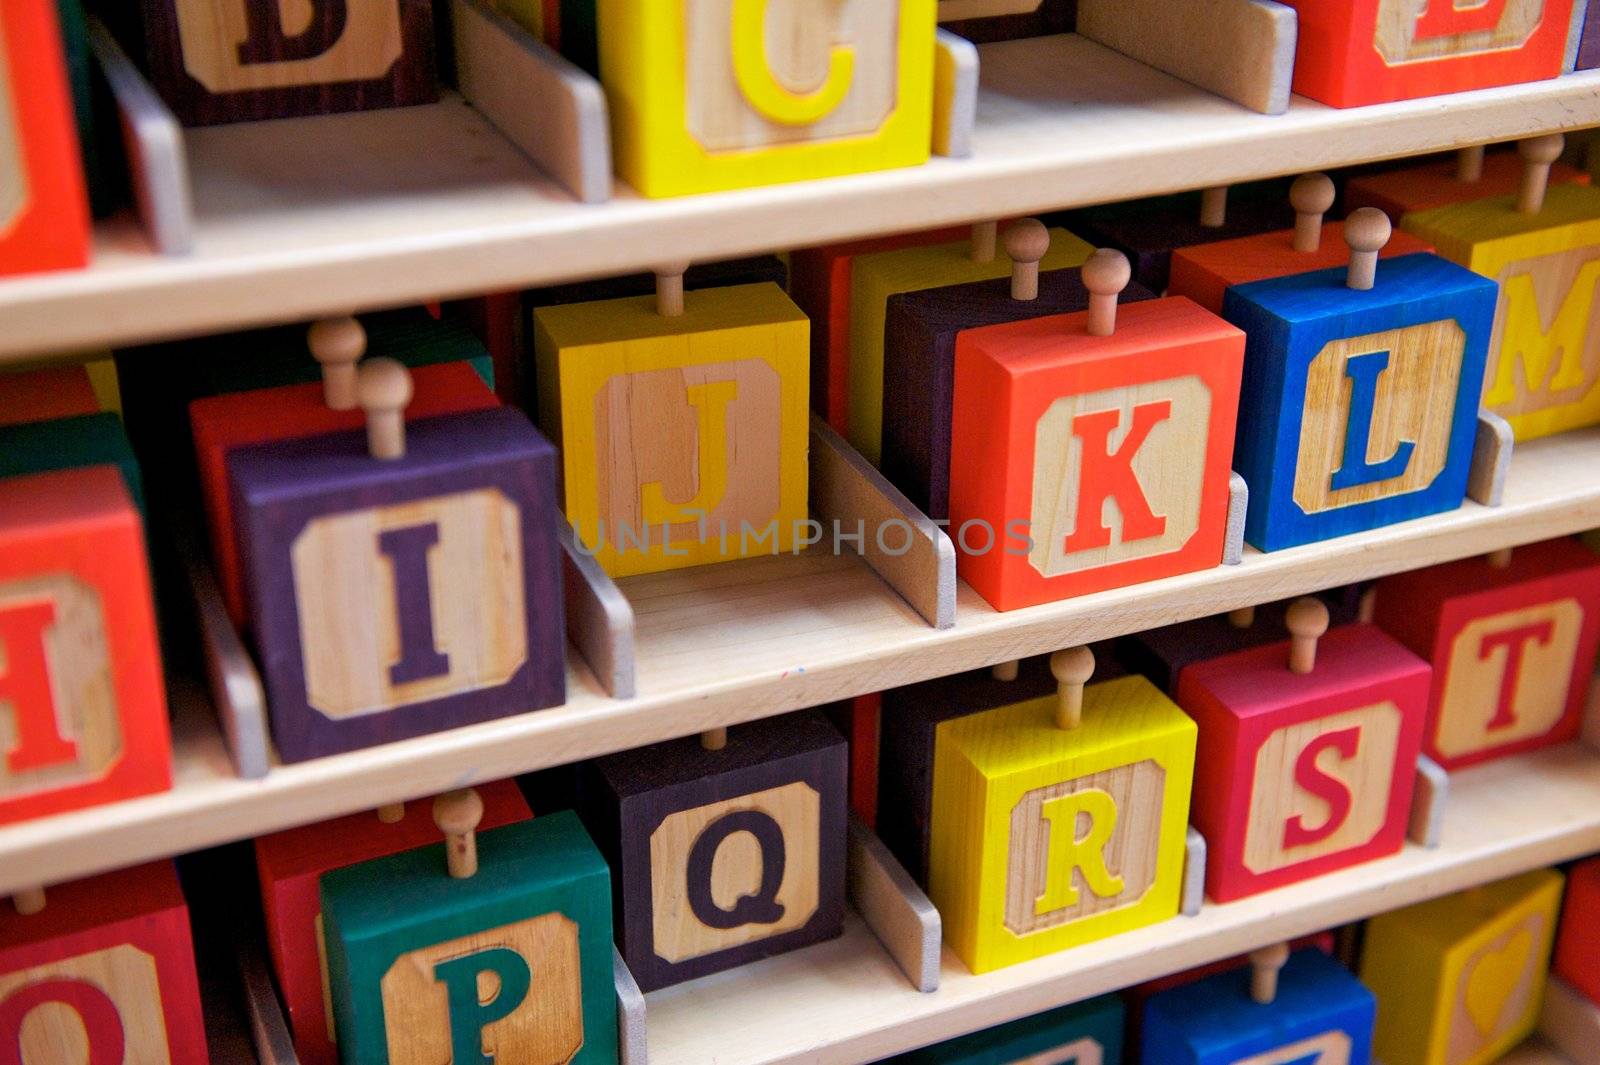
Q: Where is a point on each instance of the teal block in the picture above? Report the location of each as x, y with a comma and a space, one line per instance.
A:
378, 912
1084, 1033
69, 443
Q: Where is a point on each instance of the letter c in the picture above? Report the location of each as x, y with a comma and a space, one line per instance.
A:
773, 100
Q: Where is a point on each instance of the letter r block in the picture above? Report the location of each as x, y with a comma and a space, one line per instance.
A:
723, 856
1045, 838
1081, 463
1301, 774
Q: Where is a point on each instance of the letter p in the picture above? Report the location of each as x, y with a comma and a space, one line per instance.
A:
470, 1013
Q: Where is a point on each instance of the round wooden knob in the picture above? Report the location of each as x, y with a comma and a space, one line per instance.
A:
384, 388
982, 246
669, 288
1367, 230
1242, 618
1265, 965
392, 813
1311, 196
714, 739
338, 344
1306, 620
1072, 669
28, 901
1005, 672
1469, 164
1105, 275
1214, 207
1538, 155
458, 814
1500, 559
1027, 242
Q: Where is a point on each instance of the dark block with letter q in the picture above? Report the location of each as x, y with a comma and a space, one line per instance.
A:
722, 857
395, 597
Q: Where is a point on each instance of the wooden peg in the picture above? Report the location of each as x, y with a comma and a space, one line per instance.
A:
1105, 275
1027, 242
714, 739
669, 289
392, 813
1538, 155
338, 344
1307, 620
1367, 608
1214, 207
28, 901
982, 247
1311, 196
1005, 672
1500, 559
1367, 230
1242, 618
1265, 965
457, 814
1072, 669
1469, 164
384, 386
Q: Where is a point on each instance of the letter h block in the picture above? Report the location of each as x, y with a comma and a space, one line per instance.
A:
723, 856
1044, 837
103, 973
709, 95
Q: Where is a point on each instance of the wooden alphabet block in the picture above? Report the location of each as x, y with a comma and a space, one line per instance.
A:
396, 596
232, 60
1357, 52
103, 973
1445, 181
1054, 419
683, 436
1047, 837
983, 21
1459, 979
71, 443
1359, 406
1303, 771
44, 206
520, 909
46, 394
723, 856
1577, 951
1544, 357
1084, 1033
1321, 1015
1588, 54
850, 90
81, 688
290, 865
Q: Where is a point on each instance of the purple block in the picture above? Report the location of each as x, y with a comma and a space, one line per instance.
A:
395, 598
1148, 231
1589, 39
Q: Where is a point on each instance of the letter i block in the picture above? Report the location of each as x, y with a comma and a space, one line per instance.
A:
415, 939
83, 707
1544, 359
703, 100
232, 60
1459, 979
1084, 1033
103, 973
1513, 647
1359, 406
683, 436
1321, 1015
723, 856
1577, 956
1304, 768
1047, 837
291, 864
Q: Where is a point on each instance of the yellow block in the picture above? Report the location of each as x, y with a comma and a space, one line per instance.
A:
1544, 358
876, 277
702, 101
1459, 979
1044, 839
683, 439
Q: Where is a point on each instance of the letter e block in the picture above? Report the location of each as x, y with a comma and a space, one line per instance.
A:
1047, 838
723, 856
1459, 979
1084, 1033
1577, 957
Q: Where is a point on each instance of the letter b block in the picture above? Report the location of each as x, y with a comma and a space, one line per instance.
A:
1046, 838
723, 856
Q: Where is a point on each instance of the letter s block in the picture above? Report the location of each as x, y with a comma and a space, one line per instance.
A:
1459, 980
411, 950
721, 94
1299, 774
1359, 408
1082, 463
232, 60
395, 597
1357, 52
1045, 838
723, 856
105, 972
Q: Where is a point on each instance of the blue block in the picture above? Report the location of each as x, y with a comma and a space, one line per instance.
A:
1085, 1033
1358, 409
1321, 1013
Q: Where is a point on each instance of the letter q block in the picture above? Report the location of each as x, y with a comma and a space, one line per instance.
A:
720, 94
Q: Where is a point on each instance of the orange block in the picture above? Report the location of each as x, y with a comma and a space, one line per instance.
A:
1421, 188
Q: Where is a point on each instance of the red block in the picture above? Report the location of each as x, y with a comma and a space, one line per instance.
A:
1577, 958
291, 864
859, 721
1397, 193
238, 419
113, 951
1513, 649
45, 395
1299, 774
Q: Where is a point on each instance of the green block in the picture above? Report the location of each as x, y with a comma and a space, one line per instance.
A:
68, 443
540, 902
1080, 1034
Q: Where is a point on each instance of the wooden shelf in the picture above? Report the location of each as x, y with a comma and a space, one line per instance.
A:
306, 217
844, 1002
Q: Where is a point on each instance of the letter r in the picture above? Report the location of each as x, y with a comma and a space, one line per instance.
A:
1070, 852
